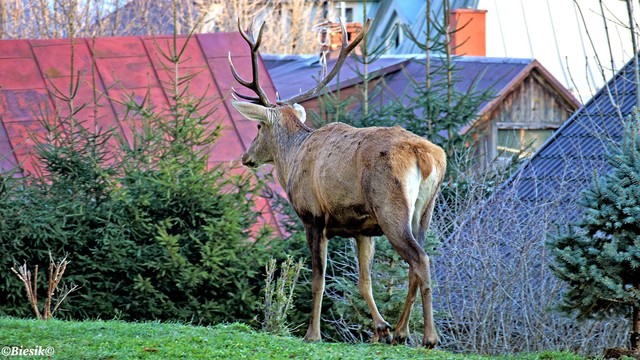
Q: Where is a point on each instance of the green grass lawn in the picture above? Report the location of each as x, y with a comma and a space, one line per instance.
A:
153, 340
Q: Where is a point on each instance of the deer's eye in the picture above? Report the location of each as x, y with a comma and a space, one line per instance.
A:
259, 126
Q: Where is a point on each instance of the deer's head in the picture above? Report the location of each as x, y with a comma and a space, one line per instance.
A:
273, 123
283, 116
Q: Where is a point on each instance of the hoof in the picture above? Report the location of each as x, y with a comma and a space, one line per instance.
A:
430, 343
382, 333
386, 339
399, 339
312, 336
311, 339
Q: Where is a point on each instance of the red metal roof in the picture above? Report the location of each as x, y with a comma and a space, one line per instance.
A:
31, 70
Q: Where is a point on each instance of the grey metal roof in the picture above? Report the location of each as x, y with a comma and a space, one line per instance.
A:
471, 73
567, 163
291, 74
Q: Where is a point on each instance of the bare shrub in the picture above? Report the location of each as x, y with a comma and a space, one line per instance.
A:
289, 27
56, 271
278, 294
495, 292
46, 19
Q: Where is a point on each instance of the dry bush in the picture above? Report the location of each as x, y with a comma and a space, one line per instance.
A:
30, 281
47, 19
278, 294
290, 23
494, 290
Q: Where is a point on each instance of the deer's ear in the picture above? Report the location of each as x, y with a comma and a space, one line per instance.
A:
302, 114
251, 111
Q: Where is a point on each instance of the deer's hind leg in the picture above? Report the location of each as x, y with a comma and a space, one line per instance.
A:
395, 216
419, 279
365, 249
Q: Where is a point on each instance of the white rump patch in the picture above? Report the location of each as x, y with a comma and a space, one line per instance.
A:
429, 184
302, 114
412, 184
419, 192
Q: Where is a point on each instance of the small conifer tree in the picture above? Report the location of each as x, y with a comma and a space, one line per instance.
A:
599, 256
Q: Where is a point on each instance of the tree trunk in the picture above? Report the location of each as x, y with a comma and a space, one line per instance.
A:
635, 331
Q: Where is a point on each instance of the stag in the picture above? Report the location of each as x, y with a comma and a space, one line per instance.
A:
350, 182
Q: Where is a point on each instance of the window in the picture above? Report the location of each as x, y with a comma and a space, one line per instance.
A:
511, 142
395, 37
348, 14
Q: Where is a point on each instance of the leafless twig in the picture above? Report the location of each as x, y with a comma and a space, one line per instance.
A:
56, 272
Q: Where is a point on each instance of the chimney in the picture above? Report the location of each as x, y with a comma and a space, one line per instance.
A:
469, 32
332, 39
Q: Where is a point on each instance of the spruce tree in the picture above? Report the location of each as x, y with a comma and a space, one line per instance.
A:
599, 255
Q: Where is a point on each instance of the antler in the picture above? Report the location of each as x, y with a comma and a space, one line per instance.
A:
254, 84
344, 52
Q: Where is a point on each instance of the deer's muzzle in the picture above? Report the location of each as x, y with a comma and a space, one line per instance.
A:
247, 161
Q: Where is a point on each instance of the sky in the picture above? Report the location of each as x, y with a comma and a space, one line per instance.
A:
568, 37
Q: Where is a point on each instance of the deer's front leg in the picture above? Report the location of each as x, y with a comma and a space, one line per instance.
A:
317, 241
365, 247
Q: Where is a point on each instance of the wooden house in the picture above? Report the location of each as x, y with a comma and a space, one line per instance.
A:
567, 163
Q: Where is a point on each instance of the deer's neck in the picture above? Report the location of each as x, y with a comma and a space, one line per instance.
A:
289, 141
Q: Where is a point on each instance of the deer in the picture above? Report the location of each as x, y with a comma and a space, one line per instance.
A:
349, 182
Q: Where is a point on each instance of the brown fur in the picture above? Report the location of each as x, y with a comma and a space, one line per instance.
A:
358, 183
